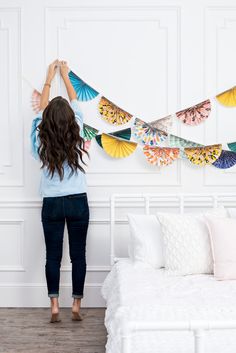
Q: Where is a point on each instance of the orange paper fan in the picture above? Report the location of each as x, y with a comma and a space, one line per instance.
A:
203, 155
160, 156
117, 147
112, 113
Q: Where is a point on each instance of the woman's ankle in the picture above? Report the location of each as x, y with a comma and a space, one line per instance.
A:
54, 305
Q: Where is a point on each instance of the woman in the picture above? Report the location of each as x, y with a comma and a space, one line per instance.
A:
57, 142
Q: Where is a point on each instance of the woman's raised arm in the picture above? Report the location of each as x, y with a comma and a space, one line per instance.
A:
64, 74
46, 88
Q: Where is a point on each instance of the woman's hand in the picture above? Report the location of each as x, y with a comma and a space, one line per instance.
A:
52, 70
64, 69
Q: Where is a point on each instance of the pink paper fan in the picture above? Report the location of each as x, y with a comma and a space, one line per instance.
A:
87, 145
195, 114
35, 101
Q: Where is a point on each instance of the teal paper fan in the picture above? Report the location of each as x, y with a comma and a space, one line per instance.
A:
123, 134
89, 132
83, 90
176, 141
232, 146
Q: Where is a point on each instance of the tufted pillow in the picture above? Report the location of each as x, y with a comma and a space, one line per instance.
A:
187, 247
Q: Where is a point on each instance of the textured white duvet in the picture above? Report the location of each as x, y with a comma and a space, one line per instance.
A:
137, 292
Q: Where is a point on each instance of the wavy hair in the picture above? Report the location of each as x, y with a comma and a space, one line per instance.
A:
60, 139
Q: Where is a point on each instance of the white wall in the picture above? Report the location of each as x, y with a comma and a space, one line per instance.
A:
150, 57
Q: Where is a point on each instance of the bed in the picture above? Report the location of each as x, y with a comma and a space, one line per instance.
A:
152, 311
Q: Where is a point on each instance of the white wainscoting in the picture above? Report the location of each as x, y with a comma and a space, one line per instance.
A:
150, 57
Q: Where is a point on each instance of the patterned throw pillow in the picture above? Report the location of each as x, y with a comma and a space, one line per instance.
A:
187, 247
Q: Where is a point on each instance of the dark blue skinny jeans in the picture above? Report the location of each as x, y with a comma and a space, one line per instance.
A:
74, 210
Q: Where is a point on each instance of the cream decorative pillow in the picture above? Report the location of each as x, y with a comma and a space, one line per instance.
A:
187, 247
223, 241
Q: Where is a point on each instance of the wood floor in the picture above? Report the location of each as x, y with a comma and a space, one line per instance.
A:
29, 331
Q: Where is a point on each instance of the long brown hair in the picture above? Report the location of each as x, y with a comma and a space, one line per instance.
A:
60, 139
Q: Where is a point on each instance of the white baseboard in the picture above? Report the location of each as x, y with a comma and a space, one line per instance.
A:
35, 295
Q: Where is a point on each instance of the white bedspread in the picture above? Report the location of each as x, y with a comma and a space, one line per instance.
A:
137, 292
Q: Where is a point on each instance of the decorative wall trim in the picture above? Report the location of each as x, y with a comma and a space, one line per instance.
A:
20, 267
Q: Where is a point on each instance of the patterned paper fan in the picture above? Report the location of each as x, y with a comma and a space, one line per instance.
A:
83, 90
89, 132
163, 124
35, 101
147, 134
116, 147
203, 155
112, 113
196, 114
160, 156
232, 146
176, 141
227, 98
123, 134
87, 145
226, 160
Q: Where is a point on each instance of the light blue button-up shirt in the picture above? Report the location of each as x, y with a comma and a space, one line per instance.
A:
52, 187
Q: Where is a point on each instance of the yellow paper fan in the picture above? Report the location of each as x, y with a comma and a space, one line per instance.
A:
116, 147
112, 113
228, 98
203, 155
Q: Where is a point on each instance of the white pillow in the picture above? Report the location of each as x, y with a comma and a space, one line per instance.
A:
187, 247
146, 242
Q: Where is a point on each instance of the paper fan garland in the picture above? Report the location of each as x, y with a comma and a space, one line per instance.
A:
195, 114
123, 134
116, 147
176, 141
89, 132
35, 101
147, 134
203, 155
112, 113
160, 156
232, 146
83, 90
226, 160
163, 124
227, 98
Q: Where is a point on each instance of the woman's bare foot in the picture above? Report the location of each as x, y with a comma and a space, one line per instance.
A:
54, 310
76, 310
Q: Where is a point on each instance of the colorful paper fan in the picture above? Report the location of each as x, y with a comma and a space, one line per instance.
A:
195, 114
232, 146
89, 132
87, 145
203, 155
35, 101
123, 134
161, 156
83, 90
116, 147
227, 98
163, 124
147, 134
112, 113
176, 141
226, 160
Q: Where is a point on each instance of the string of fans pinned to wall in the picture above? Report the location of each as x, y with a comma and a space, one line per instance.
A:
160, 147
